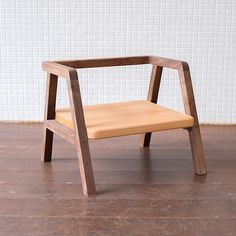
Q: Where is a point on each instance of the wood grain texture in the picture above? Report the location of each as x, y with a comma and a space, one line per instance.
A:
105, 62
126, 118
166, 62
81, 127
56, 69
122, 61
49, 114
153, 92
139, 191
61, 130
194, 132
81, 139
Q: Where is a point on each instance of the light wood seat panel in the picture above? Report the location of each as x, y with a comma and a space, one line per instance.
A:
126, 118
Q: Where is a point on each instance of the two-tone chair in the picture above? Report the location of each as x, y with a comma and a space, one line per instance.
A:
79, 123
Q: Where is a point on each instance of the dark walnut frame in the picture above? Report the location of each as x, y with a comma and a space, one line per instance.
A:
78, 136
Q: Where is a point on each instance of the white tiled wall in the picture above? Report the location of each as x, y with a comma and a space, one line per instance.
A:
200, 32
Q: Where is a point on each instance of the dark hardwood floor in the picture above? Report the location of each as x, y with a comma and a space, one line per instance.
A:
140, 191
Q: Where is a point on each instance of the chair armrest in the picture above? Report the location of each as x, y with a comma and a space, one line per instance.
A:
61, 68
168, 63
57, 69
105, 62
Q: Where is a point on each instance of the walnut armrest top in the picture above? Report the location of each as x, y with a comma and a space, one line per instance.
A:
64, 68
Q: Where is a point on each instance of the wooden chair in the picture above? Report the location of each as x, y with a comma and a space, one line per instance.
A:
77, 124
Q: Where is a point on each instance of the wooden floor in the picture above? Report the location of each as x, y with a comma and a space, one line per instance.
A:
140, 192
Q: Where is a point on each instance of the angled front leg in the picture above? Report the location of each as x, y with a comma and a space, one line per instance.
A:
190, 109
81, 139
152, 97
49, 114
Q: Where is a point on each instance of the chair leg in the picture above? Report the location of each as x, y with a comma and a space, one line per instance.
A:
197, 151
46, 153
190, 109
81, 138
50, 104
86, 170
145, 140
153, 91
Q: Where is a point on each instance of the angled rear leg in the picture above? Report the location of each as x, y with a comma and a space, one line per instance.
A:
152, 97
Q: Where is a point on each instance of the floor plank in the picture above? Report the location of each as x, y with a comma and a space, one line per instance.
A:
140, 191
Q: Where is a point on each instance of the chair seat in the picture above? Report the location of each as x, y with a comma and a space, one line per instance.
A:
126, 118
